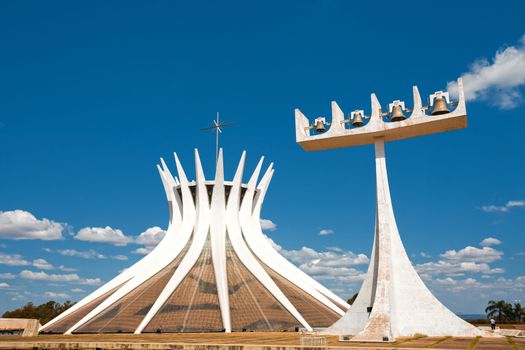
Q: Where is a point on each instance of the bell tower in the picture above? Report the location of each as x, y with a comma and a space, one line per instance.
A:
393, 300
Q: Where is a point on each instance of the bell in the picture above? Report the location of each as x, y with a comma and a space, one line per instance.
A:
440, 106
397, 114
358, 120
319, 126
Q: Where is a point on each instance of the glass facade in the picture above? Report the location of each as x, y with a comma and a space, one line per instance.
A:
194, 305
125, 315
312, 310
252, 306
69, 321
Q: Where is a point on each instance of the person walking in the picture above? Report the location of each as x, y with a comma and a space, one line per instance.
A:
492, 324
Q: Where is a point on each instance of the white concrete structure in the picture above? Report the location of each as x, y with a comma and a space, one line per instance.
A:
25, 327
393, 300
417, 124
213, 271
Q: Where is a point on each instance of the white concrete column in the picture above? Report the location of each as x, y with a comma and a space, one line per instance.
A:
378, 327
393, 300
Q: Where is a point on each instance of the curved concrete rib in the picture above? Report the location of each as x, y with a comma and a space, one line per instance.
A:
173, 195
160, 257
132, 271
259, 199
259, 244
193, 253
115, 282
174, 204
262, 187
192, 222
244, 254
218, 242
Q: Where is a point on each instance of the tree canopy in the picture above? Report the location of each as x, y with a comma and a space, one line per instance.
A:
43, 312
352, 299
504, 311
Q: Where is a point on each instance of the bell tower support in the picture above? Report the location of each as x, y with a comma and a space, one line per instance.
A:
393, 300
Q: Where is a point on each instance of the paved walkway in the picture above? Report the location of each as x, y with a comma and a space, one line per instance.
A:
247, 341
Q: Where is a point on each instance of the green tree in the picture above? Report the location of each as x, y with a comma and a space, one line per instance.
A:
352, 299
43, 312
499, 309
518, 312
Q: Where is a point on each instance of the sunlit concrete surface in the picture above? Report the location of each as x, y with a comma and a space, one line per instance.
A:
248, 341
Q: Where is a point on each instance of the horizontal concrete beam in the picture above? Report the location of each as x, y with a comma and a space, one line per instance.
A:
389, 131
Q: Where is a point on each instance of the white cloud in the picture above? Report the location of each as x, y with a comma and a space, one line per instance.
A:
485, 254
4, 285
307, 255
494, 209
487, 288
71, 277
469, 260
87, 254
455, 268
17, 298
20, 224
44, 276
461, 285
445, 281
18, 260
425, 255
497, 81
151, 237
120, 257
469, 271
143, 250
77, 290
334, 249
335, 267
66, 269
56, 295
90, 281
324, 232
42, 264
490, 241
103, 235
514, 204
7, 276
13, 260
268, 225
503, 208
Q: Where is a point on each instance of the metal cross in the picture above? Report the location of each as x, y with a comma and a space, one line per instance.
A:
217, 127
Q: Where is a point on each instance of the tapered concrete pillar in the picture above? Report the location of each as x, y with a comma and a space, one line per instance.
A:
393, 300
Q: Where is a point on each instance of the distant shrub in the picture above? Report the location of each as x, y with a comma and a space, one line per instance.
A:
43, 312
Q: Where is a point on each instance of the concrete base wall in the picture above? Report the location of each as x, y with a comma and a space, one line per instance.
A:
29, 326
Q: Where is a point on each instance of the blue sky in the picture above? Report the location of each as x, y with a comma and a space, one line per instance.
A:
93, 93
